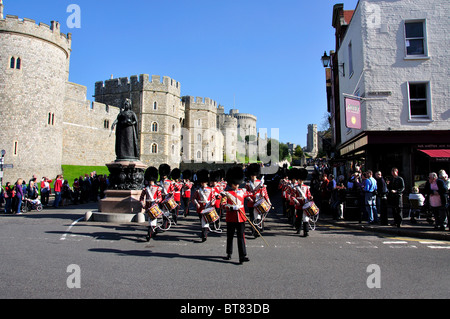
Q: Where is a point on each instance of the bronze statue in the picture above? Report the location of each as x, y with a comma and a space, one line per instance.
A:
126, 134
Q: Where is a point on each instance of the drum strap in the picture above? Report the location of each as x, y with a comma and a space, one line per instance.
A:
203, 194
303, 194
151, 194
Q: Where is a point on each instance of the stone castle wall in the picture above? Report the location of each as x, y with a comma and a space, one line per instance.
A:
87, 137
32, 96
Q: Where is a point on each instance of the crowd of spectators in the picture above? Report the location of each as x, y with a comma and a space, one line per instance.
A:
372, 196
90, 187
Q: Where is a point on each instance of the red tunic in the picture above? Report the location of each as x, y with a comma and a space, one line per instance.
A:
203, 196
236, 198
168, 187
151, 194
177, 186
186, 190
299, 197
216, 192
256, 195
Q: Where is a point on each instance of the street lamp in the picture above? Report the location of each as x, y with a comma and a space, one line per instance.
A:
326, 59
3, 152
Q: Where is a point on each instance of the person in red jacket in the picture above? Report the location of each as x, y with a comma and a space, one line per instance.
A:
203, 199
301, 195
57, 187
235, 212
167, 188
257, 190
186, 190
150, 196
177, 186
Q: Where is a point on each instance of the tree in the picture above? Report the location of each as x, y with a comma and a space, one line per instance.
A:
298, 152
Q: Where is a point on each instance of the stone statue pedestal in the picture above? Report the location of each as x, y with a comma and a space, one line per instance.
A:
126, 181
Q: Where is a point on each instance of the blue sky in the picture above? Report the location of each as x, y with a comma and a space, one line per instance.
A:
259, 56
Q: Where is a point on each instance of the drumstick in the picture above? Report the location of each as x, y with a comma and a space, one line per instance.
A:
254, 228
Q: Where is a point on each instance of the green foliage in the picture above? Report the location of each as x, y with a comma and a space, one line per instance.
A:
70, 172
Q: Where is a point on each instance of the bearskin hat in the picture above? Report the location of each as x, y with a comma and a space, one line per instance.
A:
253, 170
221, 173
164, 170
214, 176
187, 174
203, 176
291, 173
235, 175
302, 174
151, 174
175, 174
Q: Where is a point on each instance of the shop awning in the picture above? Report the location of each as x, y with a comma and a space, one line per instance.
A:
438, 153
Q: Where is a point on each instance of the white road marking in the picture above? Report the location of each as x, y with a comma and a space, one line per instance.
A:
394, 242
63, 237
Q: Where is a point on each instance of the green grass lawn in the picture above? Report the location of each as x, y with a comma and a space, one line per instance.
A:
70, 172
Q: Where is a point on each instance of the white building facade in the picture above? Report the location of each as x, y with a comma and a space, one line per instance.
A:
393, 59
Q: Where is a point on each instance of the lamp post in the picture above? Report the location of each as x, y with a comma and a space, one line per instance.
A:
3, 152
326, 59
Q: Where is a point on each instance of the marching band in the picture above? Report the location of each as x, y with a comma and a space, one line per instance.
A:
220, 193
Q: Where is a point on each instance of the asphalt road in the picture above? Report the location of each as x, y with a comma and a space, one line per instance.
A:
55, 254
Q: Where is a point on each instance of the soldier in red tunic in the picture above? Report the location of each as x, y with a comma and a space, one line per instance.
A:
151, 195
177, 186
235, 212
186, 190
203, 198
167, 187
257, 190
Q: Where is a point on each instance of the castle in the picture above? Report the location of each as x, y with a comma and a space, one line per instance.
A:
48, 122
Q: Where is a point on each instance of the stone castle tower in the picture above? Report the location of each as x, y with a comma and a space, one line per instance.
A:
160, 113
34, 68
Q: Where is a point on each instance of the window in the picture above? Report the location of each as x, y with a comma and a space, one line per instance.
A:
419, 100
51, 118
15, 148
199, 137
106, 124
415, 41
173, 149
15, 63
155, 105
154, 127
199, 122
199, 155
154, 148
350, 59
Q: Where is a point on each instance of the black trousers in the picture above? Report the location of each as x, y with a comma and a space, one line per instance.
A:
239, 228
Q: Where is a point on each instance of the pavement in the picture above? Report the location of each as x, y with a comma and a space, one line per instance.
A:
422, 229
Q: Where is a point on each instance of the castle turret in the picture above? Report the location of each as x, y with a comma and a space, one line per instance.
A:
35, 63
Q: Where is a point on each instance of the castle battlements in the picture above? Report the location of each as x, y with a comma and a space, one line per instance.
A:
200, 103
50, 33
135, 83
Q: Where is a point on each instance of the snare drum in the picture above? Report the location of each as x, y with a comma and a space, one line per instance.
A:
310, 209
262, 206
154, 212
170, 203
210, 214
